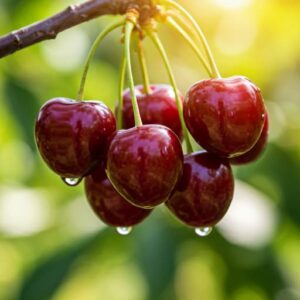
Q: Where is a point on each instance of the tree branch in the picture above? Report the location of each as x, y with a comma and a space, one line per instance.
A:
71, 16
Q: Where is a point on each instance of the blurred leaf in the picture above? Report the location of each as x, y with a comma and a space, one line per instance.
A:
253, 268
24, 106
156, 256
50, 275
246, 267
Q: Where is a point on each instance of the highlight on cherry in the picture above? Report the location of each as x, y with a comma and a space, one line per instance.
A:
141, 155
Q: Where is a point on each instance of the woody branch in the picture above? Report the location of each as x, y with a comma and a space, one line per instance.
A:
73, 15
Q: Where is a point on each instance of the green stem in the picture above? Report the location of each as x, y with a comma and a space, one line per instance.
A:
200, 34
143, 65
154, 37
91, 54
184, 34
128, 31
121, 88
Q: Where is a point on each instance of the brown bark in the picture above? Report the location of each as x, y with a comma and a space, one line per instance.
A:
71, 16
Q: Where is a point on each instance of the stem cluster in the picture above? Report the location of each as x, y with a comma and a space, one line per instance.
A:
142, 18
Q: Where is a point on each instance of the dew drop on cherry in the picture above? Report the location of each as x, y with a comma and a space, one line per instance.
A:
71, 181
203, 231
124, 230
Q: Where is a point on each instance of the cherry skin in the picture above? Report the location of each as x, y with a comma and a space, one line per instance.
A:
258, 148
71, 136
108, 204
204, 192
225, 116
144, 164
157, 107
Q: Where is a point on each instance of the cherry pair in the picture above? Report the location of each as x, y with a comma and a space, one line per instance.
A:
227, 117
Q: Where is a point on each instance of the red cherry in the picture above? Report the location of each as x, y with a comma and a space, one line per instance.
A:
71, 136
204, 193
144, 164
225, 116
107, 203
158, 107
258, 148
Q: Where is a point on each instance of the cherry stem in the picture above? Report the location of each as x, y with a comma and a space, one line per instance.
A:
201, 35
128, 32
185, 35
142, 60
121, 88
157, 42
92, 52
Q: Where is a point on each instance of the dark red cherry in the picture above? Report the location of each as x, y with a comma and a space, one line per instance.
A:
204, 191
258, 148
144, 164
108, 204
71, 136
157, 107
225, 116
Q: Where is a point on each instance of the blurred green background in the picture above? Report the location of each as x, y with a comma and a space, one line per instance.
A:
51, 244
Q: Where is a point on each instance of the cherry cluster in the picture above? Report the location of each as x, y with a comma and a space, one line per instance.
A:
133, 160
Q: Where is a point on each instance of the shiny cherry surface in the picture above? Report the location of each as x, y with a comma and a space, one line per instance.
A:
225, 116
258, 148
204, 192
144, 164
108, 204
157, 107
71, 136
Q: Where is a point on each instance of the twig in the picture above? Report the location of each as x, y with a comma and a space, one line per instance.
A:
73, 15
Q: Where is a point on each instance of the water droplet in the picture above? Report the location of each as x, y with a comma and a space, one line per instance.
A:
71, 181
124, 230
203, 231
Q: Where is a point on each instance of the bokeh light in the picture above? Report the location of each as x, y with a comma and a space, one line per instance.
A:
232, 4
251, 219
23, 211
68, 51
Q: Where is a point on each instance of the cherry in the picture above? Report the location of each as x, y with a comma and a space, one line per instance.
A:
71, 136
108, 204
204, 192
253, 154
157, 107
225, 116
144, 164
